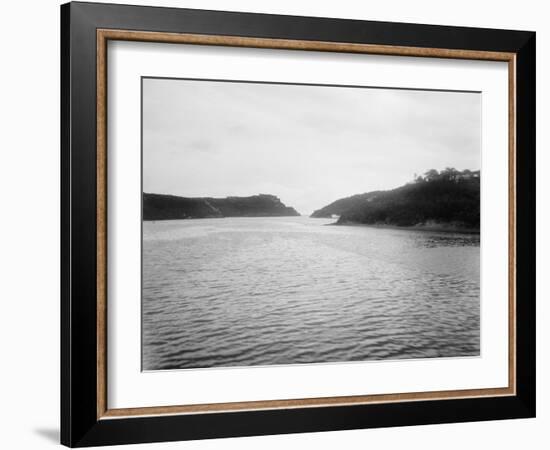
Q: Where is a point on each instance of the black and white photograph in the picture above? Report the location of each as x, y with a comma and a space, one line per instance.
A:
298, 224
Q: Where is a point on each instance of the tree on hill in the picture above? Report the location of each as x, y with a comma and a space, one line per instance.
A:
449, 174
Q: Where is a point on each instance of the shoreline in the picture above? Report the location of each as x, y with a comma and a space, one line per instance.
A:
433, 227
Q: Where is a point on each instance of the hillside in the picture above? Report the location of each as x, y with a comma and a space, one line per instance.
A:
447, 199
344, 204
166, 207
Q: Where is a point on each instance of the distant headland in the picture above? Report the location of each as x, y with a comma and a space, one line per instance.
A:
446, 200
171, 207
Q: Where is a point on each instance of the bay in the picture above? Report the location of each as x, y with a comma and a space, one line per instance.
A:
293, 290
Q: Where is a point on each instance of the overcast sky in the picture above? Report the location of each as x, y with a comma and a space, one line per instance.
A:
308, 145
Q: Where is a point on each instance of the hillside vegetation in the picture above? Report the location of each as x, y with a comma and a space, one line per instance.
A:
450, 198
166, 207
342, 205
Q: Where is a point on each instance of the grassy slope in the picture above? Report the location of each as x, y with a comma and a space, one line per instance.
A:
344, 204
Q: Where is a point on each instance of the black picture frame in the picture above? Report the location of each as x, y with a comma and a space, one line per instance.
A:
80, 425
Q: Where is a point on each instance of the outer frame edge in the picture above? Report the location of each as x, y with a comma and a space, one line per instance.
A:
526, 223
65, 335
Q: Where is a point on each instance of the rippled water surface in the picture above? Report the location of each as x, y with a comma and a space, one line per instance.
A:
287, 290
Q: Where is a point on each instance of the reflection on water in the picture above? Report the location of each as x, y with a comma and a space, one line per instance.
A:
448, 240
262, 291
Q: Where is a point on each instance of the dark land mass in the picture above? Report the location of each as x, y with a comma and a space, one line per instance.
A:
339, 207
447, 200
171, 207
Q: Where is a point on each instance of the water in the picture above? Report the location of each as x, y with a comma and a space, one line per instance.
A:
288, 290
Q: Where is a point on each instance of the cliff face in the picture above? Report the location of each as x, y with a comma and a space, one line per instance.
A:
442, 201
166, 207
